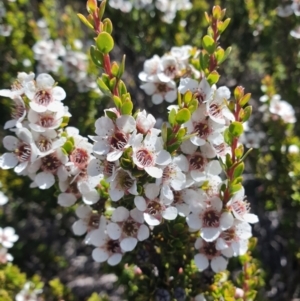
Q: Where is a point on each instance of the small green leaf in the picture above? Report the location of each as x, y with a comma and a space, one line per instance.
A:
193, 105
209, 44
204, 60
181, 133
187, 97
101, 9
112, 83
247, 113
223, 25
226, 54
114, 69
84, 20
173, 147
96, 56
245, 99
121, 67
122, 88
213, 77
68, 147
183, 116
164, 132
103, 87
126, 108
91, 6
107, 25
228, 161
110, 114
239, 151
216, 12
235, 188
172, 116
219, 54
238, 171
117, 101
228, 137
104, 42
236, 129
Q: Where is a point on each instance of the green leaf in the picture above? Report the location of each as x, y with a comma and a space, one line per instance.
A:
164, 132
126, 108
187, 97
114, 69
216, 12
226, 54
219, 54
236, 129
228, 161
245, 99
117, 101
228, 137
68, 147
84, 20
223, 25
110, 114
238, 171
193, 105
122, 67
96, 56
103, 87
122, 88
235, 188
112, 83
173, 147
104, 42
101, 9
107, 25
172, 116
239, 151
91, 6
183, 116
247, 113
181, 133
209, 44
213, 77
204, 60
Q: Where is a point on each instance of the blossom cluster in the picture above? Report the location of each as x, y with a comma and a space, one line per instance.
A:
5, 29
161, 74
52, 56
168, 7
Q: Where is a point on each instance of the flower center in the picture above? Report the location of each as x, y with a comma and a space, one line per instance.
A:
209, 250
145, 157
50, 163
79, 157
241, 207
113, 246
169, 173
170, 71
197, 162
211, 218
17, 111
130, 228
44, 144
200, 96
124, 180
215, 110
118, 141
93, 222
154, 207
46, 120
202, 129
228, 235
43, 97
178, 199
23, 152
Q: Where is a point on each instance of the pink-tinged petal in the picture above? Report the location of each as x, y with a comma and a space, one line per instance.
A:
210, 234
121, 214
226, 220
100, 255
58, 93
201, 262
79, 227
114, 259
101, 147
140, 203
126, 123
66, 199
157, 99
8, 160
151, 220
194, 221
151, 191
154, 172
170, 213
115, 194
21, 167
10, 142
113, 231
143, 233
137, 215
250, 218
163, 157
44, 180
128, 244
218, 264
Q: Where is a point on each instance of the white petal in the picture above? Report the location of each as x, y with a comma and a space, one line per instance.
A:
99, 255
170, 213
143, 233
10, 142
115, 194
151, 191
66, 199
194, 221
128, 244
114, 155
226, 220
201, 262
137, 215
121, 214
140, 203
58, 93
44, 180
83, 211
79, 227
114, 259
21, 167
126, 123
154, 172
251, 218
8, 160
151, 220
91, 197
218, 264
114, 231
163, 158
210, 234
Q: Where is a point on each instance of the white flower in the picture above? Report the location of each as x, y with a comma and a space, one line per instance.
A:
28, 293
18, 113
283, 109
44, 96
113, 139
150, 69
4, 256
210, 219
148, 153
144, 122
240, 208
160, 91
121, 182
23, 152
8, 237
168, 68
284, 11
100, 166
107, 249
154, 209
209, 255
202, 91
128, 227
